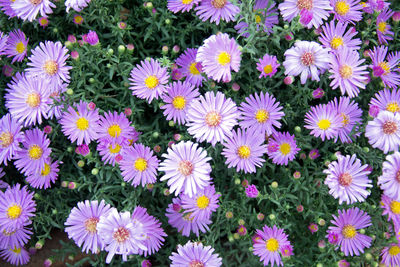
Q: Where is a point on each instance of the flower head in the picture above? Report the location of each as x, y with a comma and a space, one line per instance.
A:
181, 5
76, 5
195, 254
383, 29
383, 132
216, 10
17, 44
386, 67
115, 128
28, 10
334, 36
10, 137
347, 10
390, 255
391, 208
251, 191
286, 148
45, 177
190, 68
389, 181
16, 255
323, 121
268, 66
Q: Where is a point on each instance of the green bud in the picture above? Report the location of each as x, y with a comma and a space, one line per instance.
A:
121, 49
320, 265
272, 217
81, 163
230, 238
108, 65
156, 134
366, 149
54, 211
171, 123
241, 222
110, 51
368, 256
167, 21
70, 91
237, 181
297, 129
92, 80
286, 26
274, 184
69, 149
95, 171
55, 30
236, 236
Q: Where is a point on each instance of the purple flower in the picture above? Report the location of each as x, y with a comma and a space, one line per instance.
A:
45, 177
390, 255
115, 128
323, 121
3, 42
10, 137
391, 208
313, 154
16, 46
334, 36
190, 68
389, 181
77, 5
384, 131
28, 10
5, 6
386, 99
347, 10
383, 29
195, 254
386, 68
251, 191
373, 111
92, 38
268, 66
181, 5
215, 10
318, 93
16, 238
305, 16
286, 148
111, 153
83, 150
15, 255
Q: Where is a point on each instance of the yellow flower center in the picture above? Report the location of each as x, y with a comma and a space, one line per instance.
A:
384, 65
202, 202
114, 130
268, 69
35, 152
213, 119
324, 124
284, 148
393, 107
6, 139
91, 225
140, 164
114, 150
46, 170
345, 71
244, 152
218, 3
179, 102
262, 115
78, 19
382, 26
272, 244
151, 82
224, 58
33, 100
20, 47
342, 8
188, 217
349, 231
336, 42
16, 250
395, 207
50, 67
346, 119
394, 250
14, 211
193, 69
187, 2
121, 234
82, 124
258, 19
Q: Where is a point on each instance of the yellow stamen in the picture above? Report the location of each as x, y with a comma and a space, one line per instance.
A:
393, 107
179, 102
324, 124
50, 67
272, 244
140, 164
114, 130
14, 211
202, 202
193, 69
342, 8
82, 124
35, 152
336, 42
33, 100
224, 58
244, 152
46, 170
285, 148
20, 48
262, 115
151, 82
349, 231
114, 150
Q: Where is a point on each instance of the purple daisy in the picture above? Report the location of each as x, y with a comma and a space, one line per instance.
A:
286, 148
383, 29
16, 238
48, 61
346, 225
307, 59
218, 55
178, 98
17, 44
76, 5
152, 228
190, 68
15, 255
34, 153
115, 128
121, 235
268, 65
10, 137
348, 180
16, 208
148, 80
202, 204
385, 69
384, 131
186, 168
389, 181
334, 37
319, 9
28, 10
3, 42
184, 221
5, 6
82, 125
244, 150
45, 177
387, 100
139, 165
323, 121
269, 244
216, 10
82, 224
261, 112
390, 255
347, 10
351, 118
212, 117
110, 153
370, 6
391, 208
195, 254
181, 5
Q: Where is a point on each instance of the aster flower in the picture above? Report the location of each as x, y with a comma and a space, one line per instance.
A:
347, 10
334, 36
77, 5
389, 181
244, 150
45, 177
15, 255
148, 80
186, 168
218, 55
16, 208
34, 153
195, 254
384, 68
323, 121
390, 255
269, 244
110, 153
211, 117
184, 221
348, 180
116, 128
10, 137
345, 227
190, 68
370, 6
28, 10
216, 10
383, 29
386, 100
261, 112
181, 5
286, 148
5, 6
139, 165
121, 235
268, 65
307, 59
3, 42
43, 21
16, 238
391, 208
82, 224
178, 98
313, 227
351, 118
152, 228
251, 191
78, 20
81, 125
202, 204
384, 131
48, 61
17, 44
318, 8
